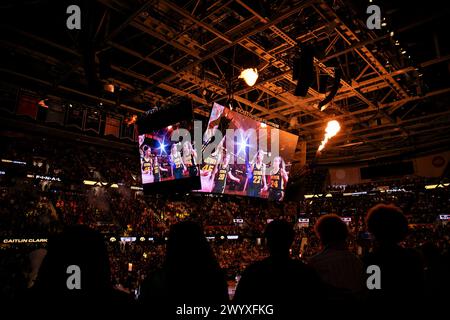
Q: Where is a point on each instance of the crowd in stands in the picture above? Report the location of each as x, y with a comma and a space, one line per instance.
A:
71, 161
117, 213
27, 209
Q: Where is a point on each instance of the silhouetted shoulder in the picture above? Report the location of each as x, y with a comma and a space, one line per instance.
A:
121, 298
270, 263
276, 279
154, 287
394, 255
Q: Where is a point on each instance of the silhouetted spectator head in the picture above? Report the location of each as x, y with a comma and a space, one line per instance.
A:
279, 235
387, 223
187, 247
80, 246
190, 275
331, 230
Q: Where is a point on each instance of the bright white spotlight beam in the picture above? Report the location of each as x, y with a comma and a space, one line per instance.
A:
242, 144
162, 147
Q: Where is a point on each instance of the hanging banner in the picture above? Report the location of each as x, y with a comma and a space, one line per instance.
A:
345, 176
432, 165
27, 105
8, 100
127, 131
112, 126
92, 120
75, 116
55, 113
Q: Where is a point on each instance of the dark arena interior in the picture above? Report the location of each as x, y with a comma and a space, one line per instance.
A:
227, 159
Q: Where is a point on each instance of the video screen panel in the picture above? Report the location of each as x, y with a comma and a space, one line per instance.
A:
168, 157
243, 156
163, 159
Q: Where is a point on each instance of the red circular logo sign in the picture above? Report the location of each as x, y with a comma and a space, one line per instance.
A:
438, 161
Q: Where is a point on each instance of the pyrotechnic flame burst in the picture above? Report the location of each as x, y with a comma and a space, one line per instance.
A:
331, 130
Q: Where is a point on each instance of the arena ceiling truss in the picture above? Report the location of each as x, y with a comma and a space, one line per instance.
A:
161, 50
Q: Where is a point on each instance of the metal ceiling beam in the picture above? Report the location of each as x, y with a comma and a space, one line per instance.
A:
245, 43
248, 34
350, 37
439, 144
67, 89
188, 15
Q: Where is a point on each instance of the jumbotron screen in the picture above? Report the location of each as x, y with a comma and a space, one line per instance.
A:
243, 156
167, 151
162, 159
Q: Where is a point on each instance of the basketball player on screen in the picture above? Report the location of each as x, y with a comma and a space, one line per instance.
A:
176, 162
278, 179
189, 156
157, 170
257, 182
221, 172
210, 163
147, 161
142, 145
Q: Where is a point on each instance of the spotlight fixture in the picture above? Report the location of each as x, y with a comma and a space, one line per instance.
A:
43, 103
230, 104
108, 87
250, 75
325, 106
130, 120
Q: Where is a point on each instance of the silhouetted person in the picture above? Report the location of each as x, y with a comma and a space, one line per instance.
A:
290, 285
190, 275
402, 277
437, 276
341, 270
13, 282
85, 248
